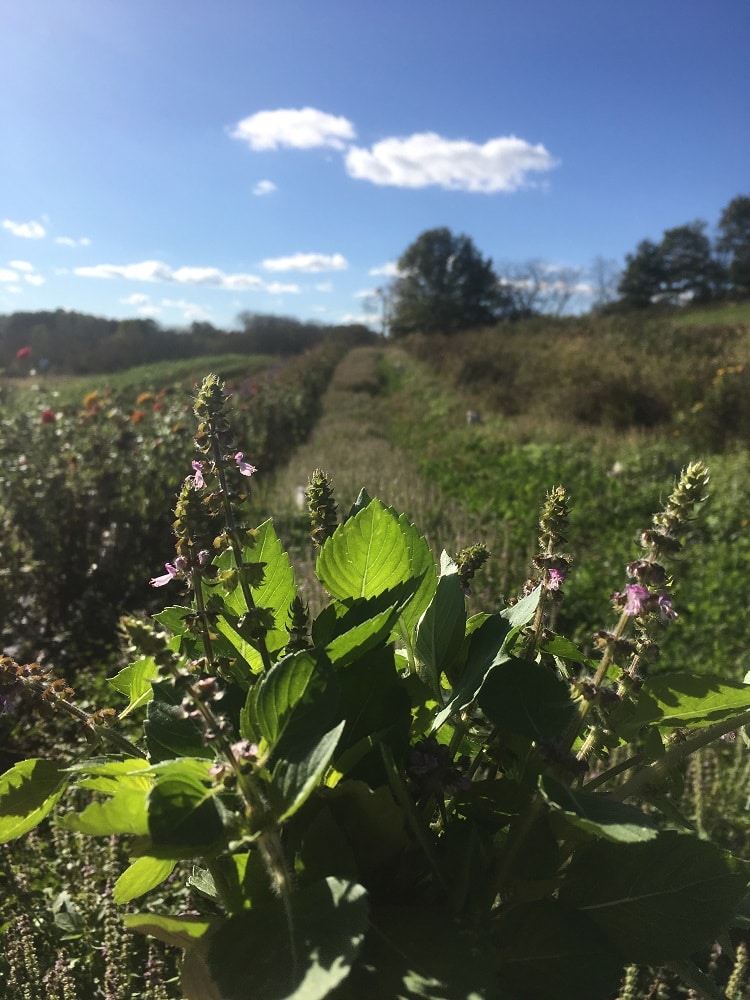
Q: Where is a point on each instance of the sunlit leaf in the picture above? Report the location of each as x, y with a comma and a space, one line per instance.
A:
144, 874
365, 556
28, 793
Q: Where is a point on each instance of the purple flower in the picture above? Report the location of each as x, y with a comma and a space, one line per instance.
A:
664, 602
637, 598
245, 468
173, 570
555, 578
198, 481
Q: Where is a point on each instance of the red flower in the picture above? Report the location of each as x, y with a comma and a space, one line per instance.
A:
23, 352
48, 416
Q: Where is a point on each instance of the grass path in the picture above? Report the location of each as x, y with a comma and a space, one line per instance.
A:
353, 442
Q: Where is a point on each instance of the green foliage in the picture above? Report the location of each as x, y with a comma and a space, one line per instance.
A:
444, 285
86, 491
416, 803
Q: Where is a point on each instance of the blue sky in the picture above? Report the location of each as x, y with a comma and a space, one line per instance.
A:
186, 160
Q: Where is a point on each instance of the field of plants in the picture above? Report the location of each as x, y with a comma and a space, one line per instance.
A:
481, 736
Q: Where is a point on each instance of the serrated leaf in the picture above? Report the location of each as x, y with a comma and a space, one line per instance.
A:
660, 900
365, 556
672, 700
521, 613
354, 643
422, 566
253, 947
441, 629
182, 810
174, 618
276, 592
297, 773
295, 687
527, 698
124, 812
134, 681
168, 733
28, 793
485, 652
144, 874
598, 814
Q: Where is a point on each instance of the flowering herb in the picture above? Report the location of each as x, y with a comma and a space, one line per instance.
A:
393, 772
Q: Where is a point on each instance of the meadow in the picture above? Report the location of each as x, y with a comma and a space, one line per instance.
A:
610, 408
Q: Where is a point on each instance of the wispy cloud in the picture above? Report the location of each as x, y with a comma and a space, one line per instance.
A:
136, 299
191, 311
21, 265
263, 188
303, 128
366, 319
427, 159
324, 286
34, 279
26, 230
388, 270
156, 270
68, 241
311, 263
7, 275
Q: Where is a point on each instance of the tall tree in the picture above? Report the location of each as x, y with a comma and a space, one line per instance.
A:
445, 285
734, 244
643, 276
690, 271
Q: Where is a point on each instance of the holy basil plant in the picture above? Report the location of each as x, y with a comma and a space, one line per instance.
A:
395, 799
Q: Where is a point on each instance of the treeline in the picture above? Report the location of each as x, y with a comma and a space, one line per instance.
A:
688, 266
74, 343
445, 285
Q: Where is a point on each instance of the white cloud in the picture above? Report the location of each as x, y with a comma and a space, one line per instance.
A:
156, 270
34, 279
191, 311
150, 312
136, 299
324, 286
366, 293
312, 263
366, 319
389, 270
27, 230
8, 275
21, 265
303, 128
264, 187
426, 158
68, 241
279, 288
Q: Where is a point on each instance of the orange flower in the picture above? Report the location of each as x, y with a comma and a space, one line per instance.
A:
91, 399
136, 416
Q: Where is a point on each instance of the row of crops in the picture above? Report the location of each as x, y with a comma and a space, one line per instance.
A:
87, 488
